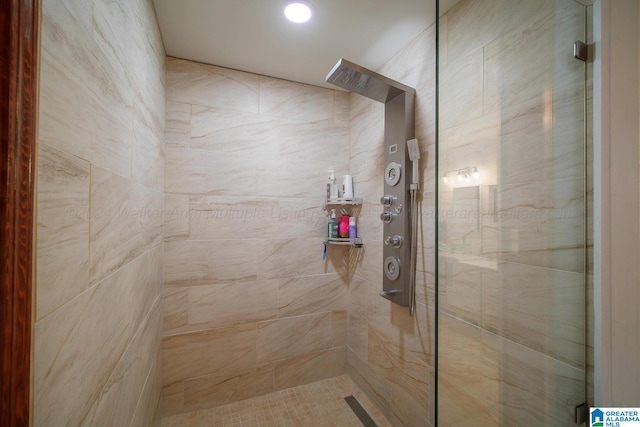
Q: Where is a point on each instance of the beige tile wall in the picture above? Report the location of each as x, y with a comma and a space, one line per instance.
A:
249, 305
512, 266
390, 354
100, 221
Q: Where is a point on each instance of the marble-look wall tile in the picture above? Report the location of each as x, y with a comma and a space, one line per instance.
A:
527, 151
198, 308
177, 130
110, 21
290, 100
414, 65
174, 309
126, 218
85, 109
368, 221
358, 336
149, 408
538, 223
526, 376
376, 386
195, 83
293, 336
368, 261
463, 412
246, 180
540, 308
72, 119
147, 166
67, 110
230, 303
477, 139
461, 90
339, 322
200, 262
365, 302
224, 217
146, 69
367, 146
145, 281
511, 78
177, 216
126, 382
401, 369
63, 225
197, 354
460, 349
309, 368
208, 391
212, 173
415, 335
320, 141
301, 217
101, 114
462, 296
341, 107
275, 258
74, 335
228, 131
67, 330
302, 178
172, 398
311, 294
486, 21
409, 410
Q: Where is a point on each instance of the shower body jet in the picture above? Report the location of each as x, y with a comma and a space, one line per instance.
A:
399, 128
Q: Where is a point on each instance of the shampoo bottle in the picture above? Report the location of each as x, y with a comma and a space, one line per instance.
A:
333, 186
352, 227
332, 227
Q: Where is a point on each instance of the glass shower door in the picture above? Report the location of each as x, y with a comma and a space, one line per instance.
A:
512, 216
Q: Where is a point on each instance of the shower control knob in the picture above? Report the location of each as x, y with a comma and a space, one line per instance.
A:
386, 217
386, 200
395, 241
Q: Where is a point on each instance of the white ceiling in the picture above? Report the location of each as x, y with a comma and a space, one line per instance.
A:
254, 35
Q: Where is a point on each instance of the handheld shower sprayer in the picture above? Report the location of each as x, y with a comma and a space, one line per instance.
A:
414, 156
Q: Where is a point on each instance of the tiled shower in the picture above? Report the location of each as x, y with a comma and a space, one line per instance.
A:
181, 222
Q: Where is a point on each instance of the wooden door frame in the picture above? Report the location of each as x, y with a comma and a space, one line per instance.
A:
19, 34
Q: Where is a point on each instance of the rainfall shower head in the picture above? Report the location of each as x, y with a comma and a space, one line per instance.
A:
362, 81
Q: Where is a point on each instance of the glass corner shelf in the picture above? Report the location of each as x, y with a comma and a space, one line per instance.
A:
343, 201
357, 242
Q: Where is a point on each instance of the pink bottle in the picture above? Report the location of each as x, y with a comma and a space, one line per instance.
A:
343, 229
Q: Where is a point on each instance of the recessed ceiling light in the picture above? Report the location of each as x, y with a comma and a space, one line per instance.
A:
297, 12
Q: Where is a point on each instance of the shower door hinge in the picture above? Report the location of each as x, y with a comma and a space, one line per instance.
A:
582, 413
580, 50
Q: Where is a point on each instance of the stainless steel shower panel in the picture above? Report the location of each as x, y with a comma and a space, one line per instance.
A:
353, 77
399, 127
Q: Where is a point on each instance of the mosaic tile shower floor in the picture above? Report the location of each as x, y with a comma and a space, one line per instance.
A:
320, 404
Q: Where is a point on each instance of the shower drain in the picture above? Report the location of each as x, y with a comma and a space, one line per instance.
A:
360, 412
